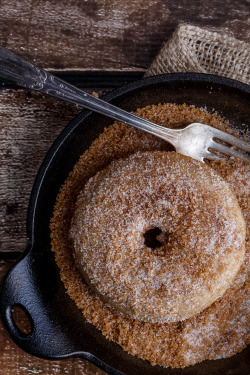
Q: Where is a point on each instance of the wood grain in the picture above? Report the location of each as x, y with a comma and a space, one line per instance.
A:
29, 123
4, 267
109, 35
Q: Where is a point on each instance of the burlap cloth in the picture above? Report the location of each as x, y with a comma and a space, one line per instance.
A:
192, 49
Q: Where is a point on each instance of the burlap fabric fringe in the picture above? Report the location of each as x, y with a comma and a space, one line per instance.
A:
192, 49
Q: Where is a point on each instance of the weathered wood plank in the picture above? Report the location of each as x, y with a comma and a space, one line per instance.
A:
13, 361
109, 35
4, 267
29, 123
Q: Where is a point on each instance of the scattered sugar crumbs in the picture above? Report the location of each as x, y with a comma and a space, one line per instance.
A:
222, 329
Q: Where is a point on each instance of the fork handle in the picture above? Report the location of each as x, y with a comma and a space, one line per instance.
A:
19, 71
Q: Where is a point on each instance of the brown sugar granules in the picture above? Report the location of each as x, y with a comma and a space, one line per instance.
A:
222, 329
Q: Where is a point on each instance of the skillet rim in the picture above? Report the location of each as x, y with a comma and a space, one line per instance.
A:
59, 142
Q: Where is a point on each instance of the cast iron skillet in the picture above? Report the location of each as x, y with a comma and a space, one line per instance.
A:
58, 328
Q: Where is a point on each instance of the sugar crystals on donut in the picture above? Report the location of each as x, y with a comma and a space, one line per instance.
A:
220, 330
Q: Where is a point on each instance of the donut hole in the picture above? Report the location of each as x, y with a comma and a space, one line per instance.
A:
154, 239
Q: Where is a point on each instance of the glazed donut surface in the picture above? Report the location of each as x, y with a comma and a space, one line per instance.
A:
197, 225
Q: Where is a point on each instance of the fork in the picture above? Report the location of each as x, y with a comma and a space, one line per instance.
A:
199, 141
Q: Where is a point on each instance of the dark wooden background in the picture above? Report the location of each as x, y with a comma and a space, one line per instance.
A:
98, 45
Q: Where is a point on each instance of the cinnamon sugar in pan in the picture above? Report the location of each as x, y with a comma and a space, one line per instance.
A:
219, 331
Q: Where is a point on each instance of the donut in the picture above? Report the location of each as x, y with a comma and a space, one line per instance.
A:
157, 236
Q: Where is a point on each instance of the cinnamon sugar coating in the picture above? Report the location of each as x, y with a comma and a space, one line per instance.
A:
219, 331
200, 225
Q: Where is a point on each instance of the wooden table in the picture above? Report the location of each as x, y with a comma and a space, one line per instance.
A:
97, 45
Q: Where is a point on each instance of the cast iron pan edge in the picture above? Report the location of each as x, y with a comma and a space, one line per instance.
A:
34, 283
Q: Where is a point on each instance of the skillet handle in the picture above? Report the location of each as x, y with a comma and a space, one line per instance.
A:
46, 338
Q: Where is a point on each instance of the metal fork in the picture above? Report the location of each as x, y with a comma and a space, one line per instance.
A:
198, 141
